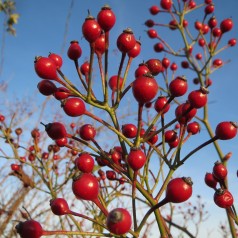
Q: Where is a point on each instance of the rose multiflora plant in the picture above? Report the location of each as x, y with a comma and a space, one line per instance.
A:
156, 88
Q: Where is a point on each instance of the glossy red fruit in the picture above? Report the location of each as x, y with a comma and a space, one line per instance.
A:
173, 67
166, 4
212, 22
178, 87
100, 45
141, 70
15, 167
193, 128
209, 9
158, 47
161, 105
106, 18
86, 187
136, 159
55, 130
216, 32
154, 10
29, 229
185, 23
192, 4
232, 42
223, 198
61, 93
59, 206
87, 132
219, 171
226, 130
129, 130
74, 51
201, 42
135, 51
119, 221
208, 1
217, 63
226, 25
152, 33
46, 87
84, 68
165, 62
2, 118
85, 163
185, 64
170, 136
174, 143
210, 180
111, 175
113, 82
179, 190
173, 25
91, 29
198, 98
73, 107
57, 59
198, 25
155, 66
62, 142
126, 41
45, 68
145, 88
184, 113
152, 140
198, 56
149, 23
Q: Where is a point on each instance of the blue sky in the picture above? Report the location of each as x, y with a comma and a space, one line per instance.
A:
41, 29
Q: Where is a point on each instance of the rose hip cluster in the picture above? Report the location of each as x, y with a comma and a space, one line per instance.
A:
129, 162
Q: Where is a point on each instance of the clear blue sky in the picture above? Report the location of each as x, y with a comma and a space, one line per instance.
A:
41, 29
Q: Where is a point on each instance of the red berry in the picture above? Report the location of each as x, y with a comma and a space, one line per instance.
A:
84, 68
119, 221
46, 87
2, 118
129, 130
15, 167
154, 138
135, 51
185, 64
62, 142
155, 66
205, 29
170, 136
219, 171
136, 159
223, 198
161, 105
106, 18
226, 25
56, 130
87, 132
198, 25
100, 45
198, 56
154, 10
158, 47
192, 4
149, 23
166, 4
179, 190
144, 88
193, 128
126, 41
29, 229
201, 42
174, 143
45, 68
178, 87
226, 130
212, 22
165, 62
86, 187
185, 23
173, 67
74, 50
232, 42
73, 107
113, 82
208, 1
198, 98
57, 59
85, 163
111, 175
59, 206
216, 32
61, 93
173, 24
152, 33
91, 29
184, 113
210, 180
217, 63
209, 9
141, 70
